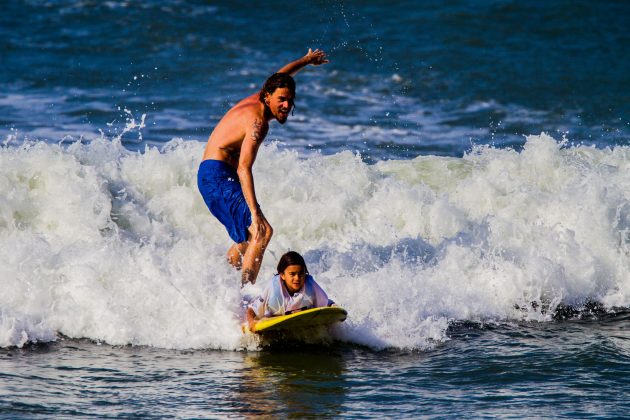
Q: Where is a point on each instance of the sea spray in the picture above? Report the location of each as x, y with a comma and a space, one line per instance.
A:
117, 246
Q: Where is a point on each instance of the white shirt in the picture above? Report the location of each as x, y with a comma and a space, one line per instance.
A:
276, 299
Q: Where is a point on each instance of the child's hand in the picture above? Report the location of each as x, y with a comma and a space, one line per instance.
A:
251, 320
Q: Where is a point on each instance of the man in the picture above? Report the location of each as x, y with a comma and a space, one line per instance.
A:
225, 177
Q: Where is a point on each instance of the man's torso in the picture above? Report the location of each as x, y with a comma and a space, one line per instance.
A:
227, 137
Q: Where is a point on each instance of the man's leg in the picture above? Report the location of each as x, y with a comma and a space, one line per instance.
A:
252, 259
235, 254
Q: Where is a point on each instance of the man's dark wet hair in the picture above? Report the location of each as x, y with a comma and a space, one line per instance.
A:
275, 81
291, 258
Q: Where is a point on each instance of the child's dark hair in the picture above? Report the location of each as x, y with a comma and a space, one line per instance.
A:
275, 81
291, 258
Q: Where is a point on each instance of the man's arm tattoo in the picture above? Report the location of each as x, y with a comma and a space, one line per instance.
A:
257, 132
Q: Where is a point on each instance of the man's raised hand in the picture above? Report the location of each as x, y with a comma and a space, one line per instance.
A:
316, 57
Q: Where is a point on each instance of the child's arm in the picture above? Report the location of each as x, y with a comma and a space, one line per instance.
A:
321, 298
251, 319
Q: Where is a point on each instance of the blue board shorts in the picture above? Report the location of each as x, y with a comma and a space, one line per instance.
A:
221, 190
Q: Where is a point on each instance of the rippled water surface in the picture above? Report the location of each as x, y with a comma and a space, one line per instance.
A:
563, 369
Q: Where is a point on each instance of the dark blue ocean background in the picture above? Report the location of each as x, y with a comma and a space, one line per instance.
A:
445, 75
406, 79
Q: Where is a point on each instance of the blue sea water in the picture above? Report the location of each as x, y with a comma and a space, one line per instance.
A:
457, 177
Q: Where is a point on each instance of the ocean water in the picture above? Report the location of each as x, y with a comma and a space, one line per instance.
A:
457, 178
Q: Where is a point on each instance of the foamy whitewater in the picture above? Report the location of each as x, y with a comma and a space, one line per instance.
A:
118, 246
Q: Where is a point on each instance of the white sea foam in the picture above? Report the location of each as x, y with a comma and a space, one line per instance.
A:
116, 246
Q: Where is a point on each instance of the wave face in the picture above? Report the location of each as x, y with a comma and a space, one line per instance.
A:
117, 246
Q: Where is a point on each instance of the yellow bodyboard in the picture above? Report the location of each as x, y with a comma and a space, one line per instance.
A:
304, 319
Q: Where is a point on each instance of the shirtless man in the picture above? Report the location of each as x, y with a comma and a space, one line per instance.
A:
225, 177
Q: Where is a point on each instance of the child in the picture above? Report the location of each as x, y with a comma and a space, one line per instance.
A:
291, 290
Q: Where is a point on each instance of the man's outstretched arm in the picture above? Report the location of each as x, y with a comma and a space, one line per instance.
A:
315, 58
254, 136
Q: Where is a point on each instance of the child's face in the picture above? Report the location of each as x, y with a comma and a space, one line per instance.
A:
293, 277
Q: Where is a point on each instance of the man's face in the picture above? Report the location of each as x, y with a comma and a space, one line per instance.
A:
280, 103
